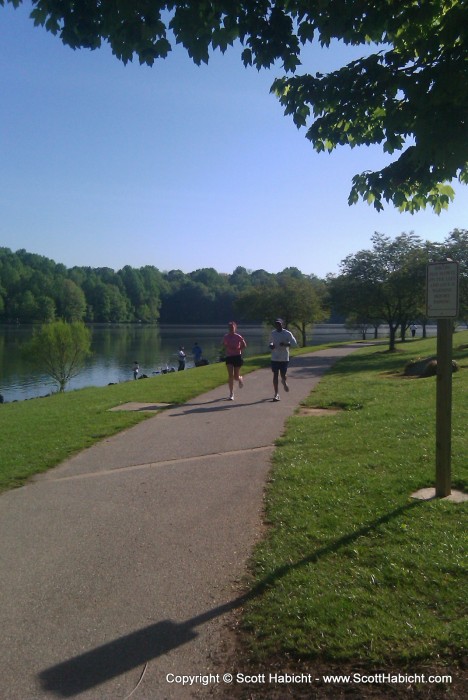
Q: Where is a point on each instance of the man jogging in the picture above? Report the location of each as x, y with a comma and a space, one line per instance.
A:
280, 342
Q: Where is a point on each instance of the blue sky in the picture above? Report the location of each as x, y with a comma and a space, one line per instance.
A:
176, 166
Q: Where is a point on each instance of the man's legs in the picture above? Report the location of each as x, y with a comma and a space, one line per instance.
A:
275, 382
277, 369
283, 371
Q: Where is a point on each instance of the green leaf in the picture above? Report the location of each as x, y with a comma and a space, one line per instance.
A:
247, 60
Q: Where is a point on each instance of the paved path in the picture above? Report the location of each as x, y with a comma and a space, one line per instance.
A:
120, 566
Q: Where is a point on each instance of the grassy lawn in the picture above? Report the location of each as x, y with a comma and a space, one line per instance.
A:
352, 569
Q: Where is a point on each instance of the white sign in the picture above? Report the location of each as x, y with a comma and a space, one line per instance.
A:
442, 290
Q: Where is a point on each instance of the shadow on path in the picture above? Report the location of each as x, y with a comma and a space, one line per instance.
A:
99, 665
226, 405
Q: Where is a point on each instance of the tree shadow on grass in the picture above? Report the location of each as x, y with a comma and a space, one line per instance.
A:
379, 360
94, 667
315, 365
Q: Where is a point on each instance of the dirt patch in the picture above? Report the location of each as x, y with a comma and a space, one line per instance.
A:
306, 411
234, 658
429, 494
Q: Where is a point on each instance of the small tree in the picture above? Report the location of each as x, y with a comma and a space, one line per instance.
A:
59, 349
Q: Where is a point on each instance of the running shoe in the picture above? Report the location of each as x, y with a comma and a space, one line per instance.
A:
276, 397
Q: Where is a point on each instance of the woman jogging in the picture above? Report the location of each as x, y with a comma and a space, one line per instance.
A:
234, 344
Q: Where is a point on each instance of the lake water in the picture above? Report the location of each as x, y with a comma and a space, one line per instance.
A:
115, 348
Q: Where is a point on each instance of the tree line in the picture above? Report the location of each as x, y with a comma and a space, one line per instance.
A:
35, 289
384, 284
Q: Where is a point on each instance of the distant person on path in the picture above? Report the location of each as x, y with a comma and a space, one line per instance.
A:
413, 329
136, 369
181, 356
280, 342
233, 345
197, 353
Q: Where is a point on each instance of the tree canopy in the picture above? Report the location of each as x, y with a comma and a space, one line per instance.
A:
388, 282
408, 94
297, 299
379, 284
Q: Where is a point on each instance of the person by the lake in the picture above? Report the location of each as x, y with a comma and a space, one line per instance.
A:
197, 353
413, 329
234, 344
280, 342
136, 369
182, 357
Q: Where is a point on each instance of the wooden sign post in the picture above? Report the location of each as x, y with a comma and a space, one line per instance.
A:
442, 304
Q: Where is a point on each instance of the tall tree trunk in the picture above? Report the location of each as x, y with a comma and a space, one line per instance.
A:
393, 330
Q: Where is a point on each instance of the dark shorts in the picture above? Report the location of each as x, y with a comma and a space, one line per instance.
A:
277, 366
235, 360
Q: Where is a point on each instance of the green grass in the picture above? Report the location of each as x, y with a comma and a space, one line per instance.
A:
352, 568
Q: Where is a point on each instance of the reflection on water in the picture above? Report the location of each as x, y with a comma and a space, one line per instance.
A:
115, 348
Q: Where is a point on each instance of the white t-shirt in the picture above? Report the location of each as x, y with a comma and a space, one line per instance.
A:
280, 353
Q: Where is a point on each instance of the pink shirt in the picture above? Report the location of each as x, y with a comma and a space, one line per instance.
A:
234, 344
